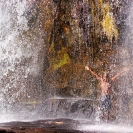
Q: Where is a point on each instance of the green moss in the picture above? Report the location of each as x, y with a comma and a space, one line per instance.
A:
64, 60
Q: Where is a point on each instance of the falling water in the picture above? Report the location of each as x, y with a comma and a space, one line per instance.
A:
125, 86
20, 58
21, 63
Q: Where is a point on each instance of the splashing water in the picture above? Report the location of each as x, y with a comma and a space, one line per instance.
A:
126, 55
10, 51
107, 128
19, 61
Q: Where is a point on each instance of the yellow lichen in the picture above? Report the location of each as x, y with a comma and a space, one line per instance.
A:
32, 102
108, 23
51, 48
100, 2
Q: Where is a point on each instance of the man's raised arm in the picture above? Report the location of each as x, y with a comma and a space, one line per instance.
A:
87, 68
117, 75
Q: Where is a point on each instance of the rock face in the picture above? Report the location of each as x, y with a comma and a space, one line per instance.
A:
71, 108
37, 130
54, 41
61, 126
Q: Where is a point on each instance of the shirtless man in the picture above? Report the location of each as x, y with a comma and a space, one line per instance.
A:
105, 83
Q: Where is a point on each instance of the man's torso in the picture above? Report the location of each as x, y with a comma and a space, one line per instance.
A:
105, 88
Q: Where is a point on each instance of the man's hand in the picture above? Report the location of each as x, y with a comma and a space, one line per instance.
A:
87, 68
125, 69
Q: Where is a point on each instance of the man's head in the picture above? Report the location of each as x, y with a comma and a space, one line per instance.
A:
105, 77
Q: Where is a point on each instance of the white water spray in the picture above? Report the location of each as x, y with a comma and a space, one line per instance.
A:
19, 60
107, 128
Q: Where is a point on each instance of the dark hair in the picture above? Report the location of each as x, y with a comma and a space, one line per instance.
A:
108, 79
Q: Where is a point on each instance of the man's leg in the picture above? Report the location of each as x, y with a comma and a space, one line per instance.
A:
108, 107
107, 116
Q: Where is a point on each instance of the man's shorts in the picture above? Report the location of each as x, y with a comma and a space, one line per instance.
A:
105, 102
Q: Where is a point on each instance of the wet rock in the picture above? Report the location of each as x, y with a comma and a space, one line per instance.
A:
56, 1
40, 126
71, 107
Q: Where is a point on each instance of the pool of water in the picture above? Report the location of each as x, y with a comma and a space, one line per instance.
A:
106, 128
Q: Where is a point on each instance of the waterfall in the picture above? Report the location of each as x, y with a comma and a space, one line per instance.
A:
125, 86
21, 55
